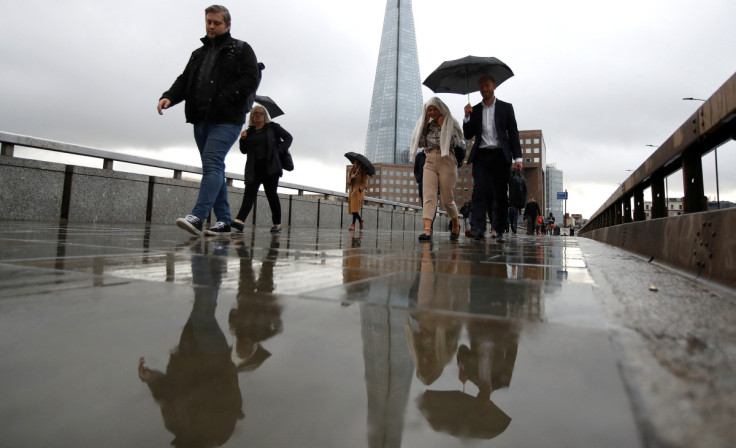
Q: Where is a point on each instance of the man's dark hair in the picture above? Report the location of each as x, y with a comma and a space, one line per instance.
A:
220, 9
484, 77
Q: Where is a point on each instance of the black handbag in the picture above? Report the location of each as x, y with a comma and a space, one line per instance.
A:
287, 162
459, 155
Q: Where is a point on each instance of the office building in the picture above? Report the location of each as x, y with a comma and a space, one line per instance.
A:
397, 90
554, 186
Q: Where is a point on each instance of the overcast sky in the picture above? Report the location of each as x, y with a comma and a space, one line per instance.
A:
601, 79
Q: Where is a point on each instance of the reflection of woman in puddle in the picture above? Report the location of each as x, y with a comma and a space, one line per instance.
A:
433, 334
257, 316
199, 393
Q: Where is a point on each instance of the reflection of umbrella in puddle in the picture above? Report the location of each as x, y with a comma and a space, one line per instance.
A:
462, 415
253, 360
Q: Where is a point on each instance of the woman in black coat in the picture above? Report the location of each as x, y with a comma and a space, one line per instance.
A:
263, 141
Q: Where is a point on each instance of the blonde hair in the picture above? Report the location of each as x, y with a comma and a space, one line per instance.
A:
266, 115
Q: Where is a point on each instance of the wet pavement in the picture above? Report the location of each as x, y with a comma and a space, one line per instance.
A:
114, 335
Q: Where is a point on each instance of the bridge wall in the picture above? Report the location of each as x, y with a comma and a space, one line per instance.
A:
698, 243
32, 190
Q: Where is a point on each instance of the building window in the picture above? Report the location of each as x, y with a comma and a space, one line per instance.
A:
528, 160
528, 141
536, 160
536, 140
383, 172
536, 150
528, 150
390, 173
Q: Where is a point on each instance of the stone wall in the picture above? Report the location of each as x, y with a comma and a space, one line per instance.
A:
31, 190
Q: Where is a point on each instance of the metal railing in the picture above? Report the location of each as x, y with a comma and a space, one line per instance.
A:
10, 141
699, 241
712, 124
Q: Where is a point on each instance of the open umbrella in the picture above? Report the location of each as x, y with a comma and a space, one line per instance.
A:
462, 415
461, 75
270, 105
363, 160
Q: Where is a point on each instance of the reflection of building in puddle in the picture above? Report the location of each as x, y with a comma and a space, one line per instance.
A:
388, 371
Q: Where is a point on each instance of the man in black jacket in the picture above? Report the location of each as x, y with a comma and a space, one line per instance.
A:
493, 125
218, 86
531, 211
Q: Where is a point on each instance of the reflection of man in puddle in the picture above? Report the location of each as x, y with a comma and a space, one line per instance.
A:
257, 316
487, 363
433, 335
199, 394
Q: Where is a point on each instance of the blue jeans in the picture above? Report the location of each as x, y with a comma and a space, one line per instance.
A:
214, 141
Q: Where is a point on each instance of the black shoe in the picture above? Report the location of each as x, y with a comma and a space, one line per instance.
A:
502, 238
239, 226
191, 224
454, 236
474, 234
275, 229
220, 228
425, 237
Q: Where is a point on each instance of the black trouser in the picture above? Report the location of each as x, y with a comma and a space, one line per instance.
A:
490, 189
356, 217
531, 225
270, 184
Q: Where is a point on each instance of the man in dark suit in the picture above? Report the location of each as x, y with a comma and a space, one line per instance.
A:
493, 125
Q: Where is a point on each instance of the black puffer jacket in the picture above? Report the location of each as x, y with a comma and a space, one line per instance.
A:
233, 79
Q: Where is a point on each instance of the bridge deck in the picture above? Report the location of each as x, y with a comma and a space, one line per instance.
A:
335, 338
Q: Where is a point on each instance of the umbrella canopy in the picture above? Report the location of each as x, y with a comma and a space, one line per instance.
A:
270, 105
461, 75
462, 415
363, 160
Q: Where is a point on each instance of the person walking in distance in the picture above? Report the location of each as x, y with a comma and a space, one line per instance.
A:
493, 125
217, 85
358, 181
531, 212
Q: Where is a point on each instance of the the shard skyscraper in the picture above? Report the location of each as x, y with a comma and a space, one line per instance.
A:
397, 90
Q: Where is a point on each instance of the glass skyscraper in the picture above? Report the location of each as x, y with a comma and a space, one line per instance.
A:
397, 90
554, 186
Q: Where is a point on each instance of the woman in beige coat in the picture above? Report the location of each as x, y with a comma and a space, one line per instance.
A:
438, 133
358, 181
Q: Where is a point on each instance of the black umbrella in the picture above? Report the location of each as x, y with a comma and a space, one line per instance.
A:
273, 110
363, 160
462, 75
462, 415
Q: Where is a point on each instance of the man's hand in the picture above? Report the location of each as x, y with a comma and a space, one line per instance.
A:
164, 103
468, 110
517, 166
